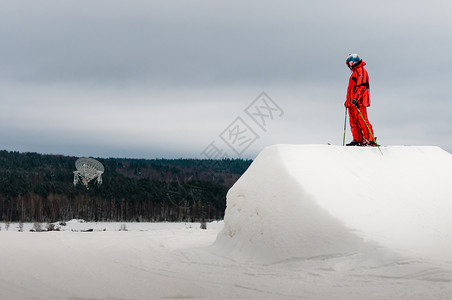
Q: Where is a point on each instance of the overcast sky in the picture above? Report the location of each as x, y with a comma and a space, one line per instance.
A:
149, 79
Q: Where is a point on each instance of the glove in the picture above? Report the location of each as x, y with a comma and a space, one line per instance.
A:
355, 102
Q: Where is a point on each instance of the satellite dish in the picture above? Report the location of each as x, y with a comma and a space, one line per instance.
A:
88, 169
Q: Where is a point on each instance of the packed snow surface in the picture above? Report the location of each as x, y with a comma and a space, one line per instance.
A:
304, 222
311, 200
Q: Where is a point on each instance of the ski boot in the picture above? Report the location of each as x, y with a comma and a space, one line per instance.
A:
372, 143
354, 143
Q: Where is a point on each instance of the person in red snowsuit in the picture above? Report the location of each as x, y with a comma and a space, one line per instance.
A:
358, 98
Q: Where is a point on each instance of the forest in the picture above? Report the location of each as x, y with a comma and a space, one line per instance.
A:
39, 188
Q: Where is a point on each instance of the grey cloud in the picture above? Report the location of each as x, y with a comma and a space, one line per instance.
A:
164, 55
204, 43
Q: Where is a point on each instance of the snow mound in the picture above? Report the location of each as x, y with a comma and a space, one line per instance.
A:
304, 201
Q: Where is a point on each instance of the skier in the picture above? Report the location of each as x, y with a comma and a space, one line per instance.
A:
357, 101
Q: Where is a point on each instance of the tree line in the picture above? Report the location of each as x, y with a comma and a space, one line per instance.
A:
39, 188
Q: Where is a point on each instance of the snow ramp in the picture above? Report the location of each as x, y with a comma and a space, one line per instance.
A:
304, 201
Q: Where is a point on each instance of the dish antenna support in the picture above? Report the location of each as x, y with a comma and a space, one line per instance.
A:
88, 169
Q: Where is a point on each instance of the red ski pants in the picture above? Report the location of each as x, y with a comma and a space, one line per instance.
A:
359, 129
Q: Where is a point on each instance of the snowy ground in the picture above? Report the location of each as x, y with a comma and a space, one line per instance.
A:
175, 261
291, 231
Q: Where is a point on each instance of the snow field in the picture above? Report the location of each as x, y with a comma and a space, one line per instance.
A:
304, 222
177, 262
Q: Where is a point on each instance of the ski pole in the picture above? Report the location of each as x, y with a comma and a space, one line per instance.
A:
370, 131
345, 126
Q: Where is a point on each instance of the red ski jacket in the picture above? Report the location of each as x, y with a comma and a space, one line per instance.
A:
358, 86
